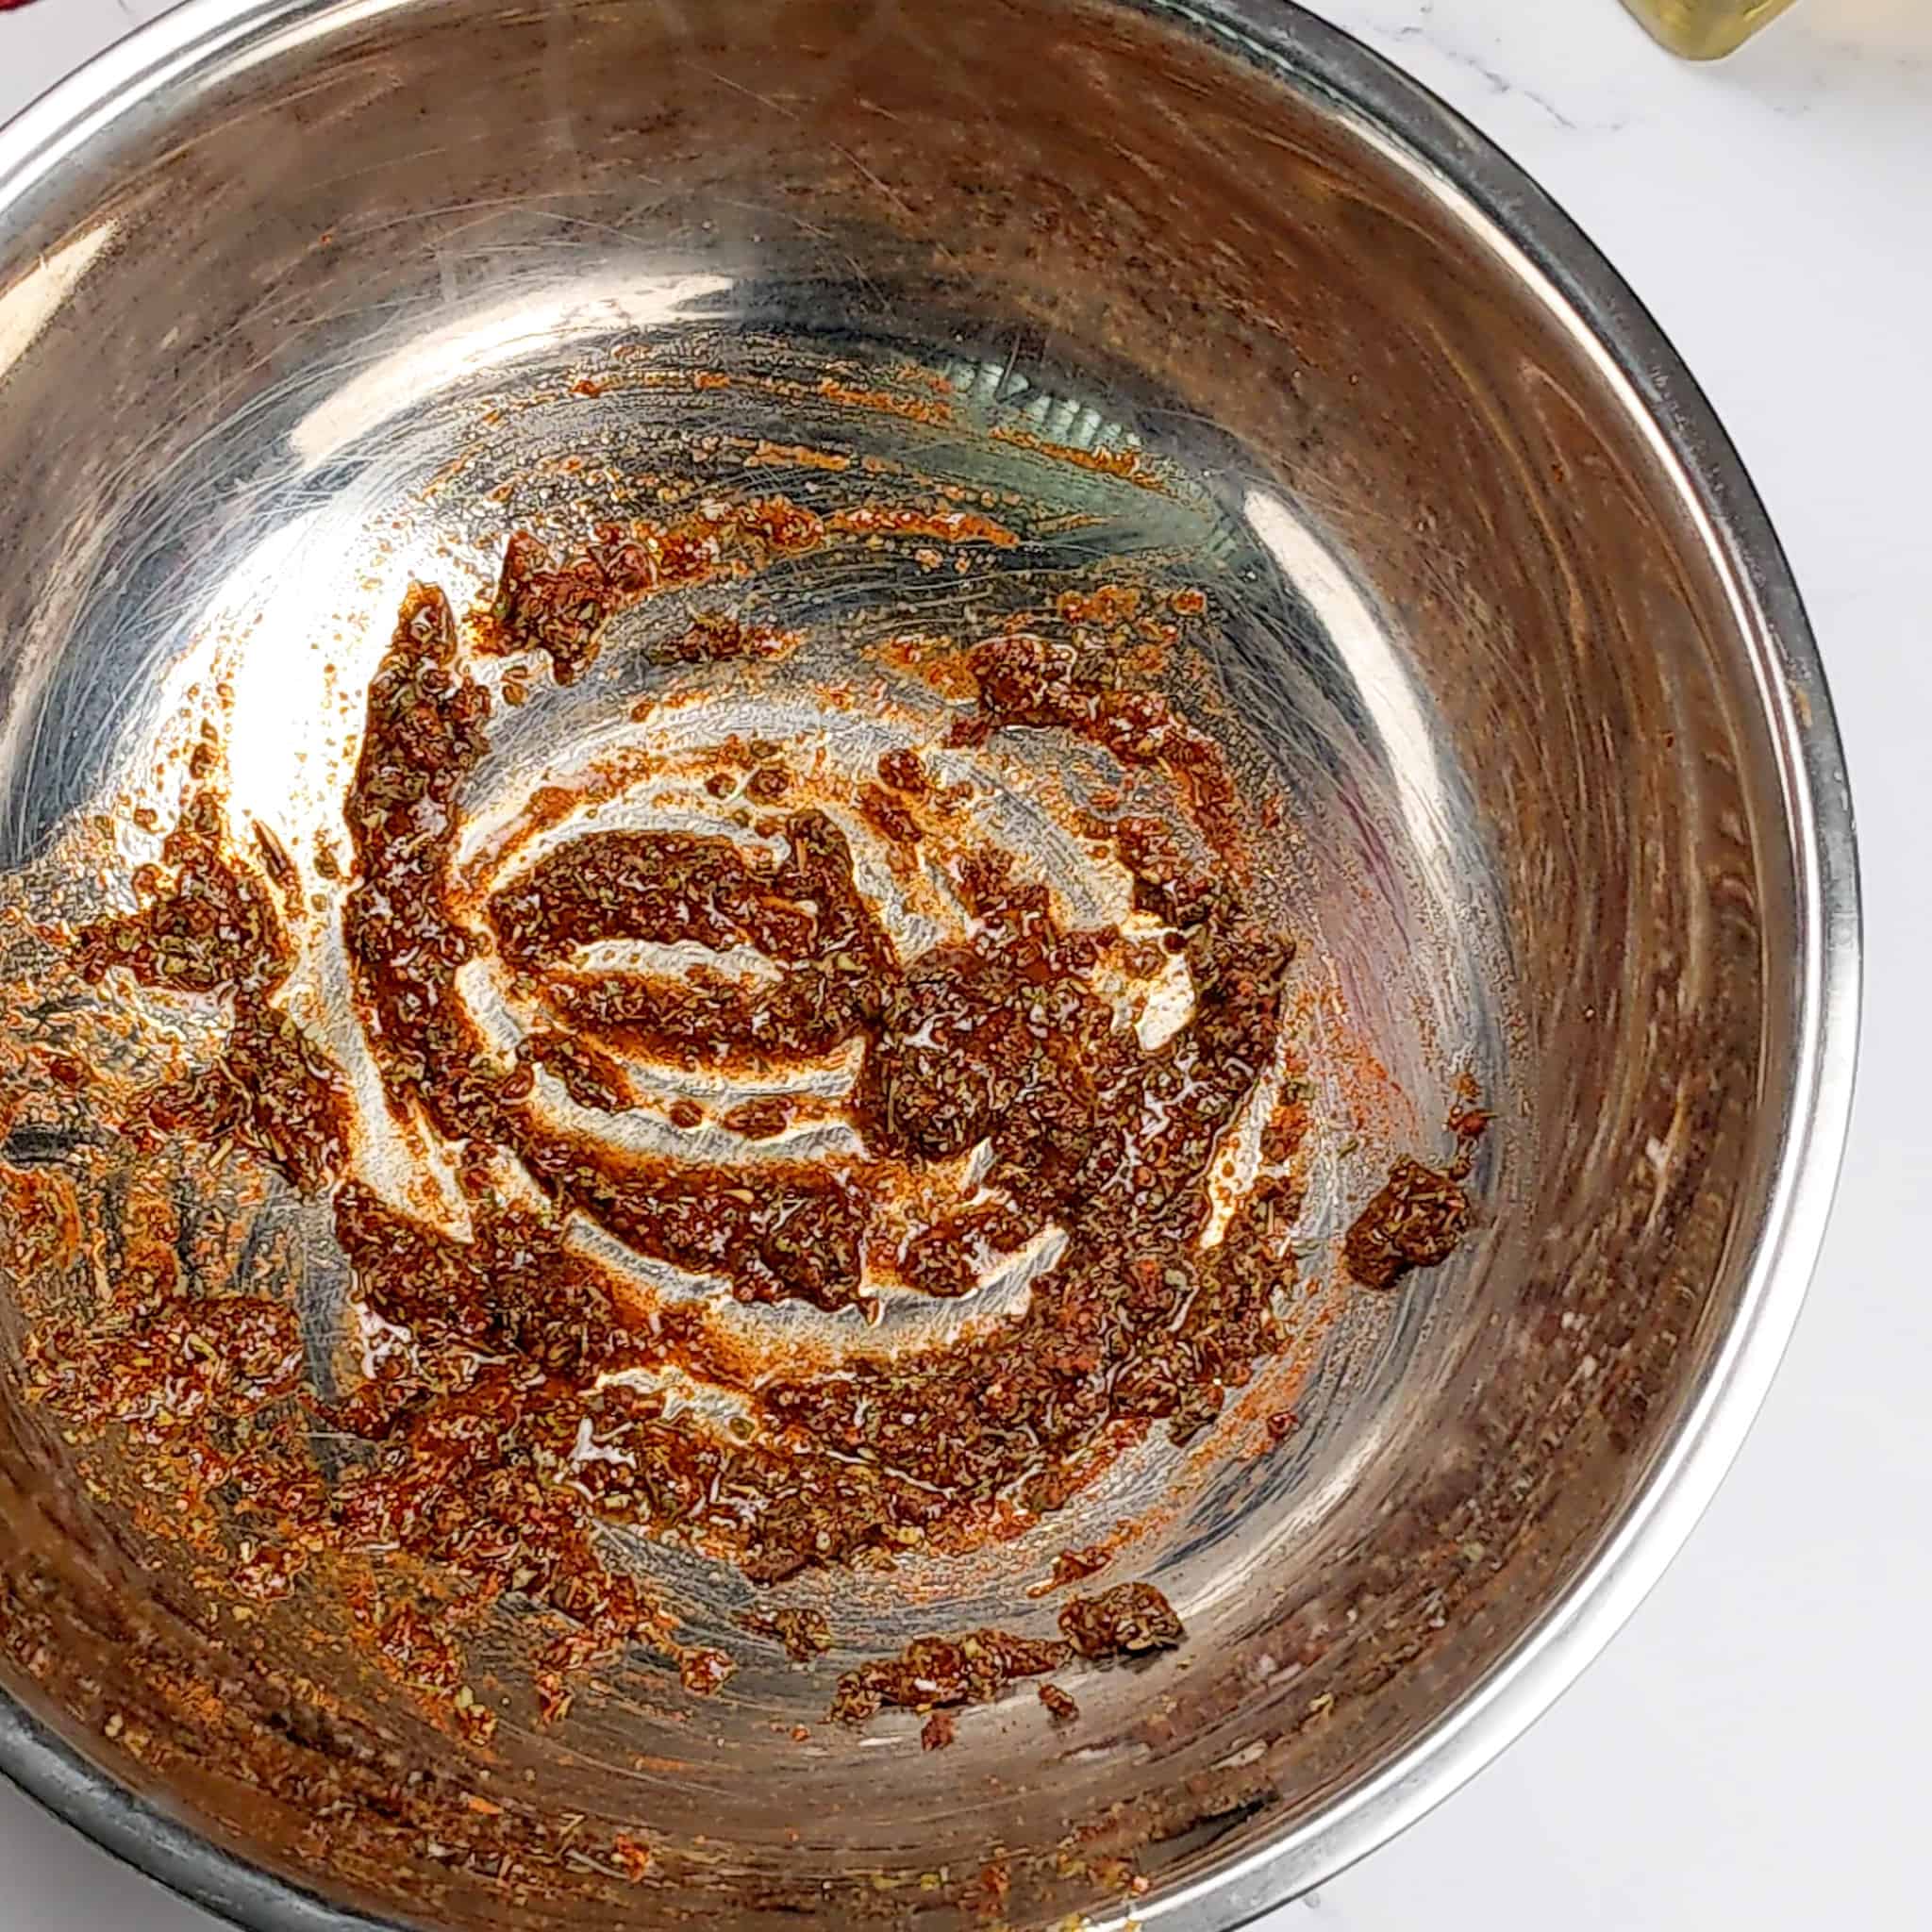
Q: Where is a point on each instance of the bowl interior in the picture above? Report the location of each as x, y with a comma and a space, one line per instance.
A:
359, 289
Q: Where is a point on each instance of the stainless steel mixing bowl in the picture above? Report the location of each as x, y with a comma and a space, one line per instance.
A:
288, 286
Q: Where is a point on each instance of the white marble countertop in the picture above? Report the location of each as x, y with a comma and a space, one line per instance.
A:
1751, 1751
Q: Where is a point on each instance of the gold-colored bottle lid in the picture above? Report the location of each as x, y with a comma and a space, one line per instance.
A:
1705, 30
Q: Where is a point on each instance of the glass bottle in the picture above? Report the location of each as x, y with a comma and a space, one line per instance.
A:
1704, 29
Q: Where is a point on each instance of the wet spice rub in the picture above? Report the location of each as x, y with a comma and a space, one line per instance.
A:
1419, 1216
935, 1673
987, 1105
559, 602
209, 927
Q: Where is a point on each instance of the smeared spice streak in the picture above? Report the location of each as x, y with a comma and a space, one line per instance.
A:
207, 927
934, 1672
560, 604
1074, 1566
521, 1398
783, 1232
1025, 678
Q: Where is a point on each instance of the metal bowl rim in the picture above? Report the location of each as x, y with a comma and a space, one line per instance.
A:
137, 76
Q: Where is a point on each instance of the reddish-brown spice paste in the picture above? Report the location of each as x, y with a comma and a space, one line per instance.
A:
1074, 1566
208, 926
516, 1417
1415, 1220
1128, 1621
1059, 1705
804, 1632
933, 1672
1419, 1215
